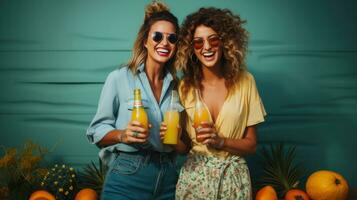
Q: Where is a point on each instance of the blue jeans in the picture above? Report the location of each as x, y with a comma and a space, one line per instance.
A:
141, 175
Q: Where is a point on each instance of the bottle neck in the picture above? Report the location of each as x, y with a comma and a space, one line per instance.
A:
198, 98
173, 100
138, 103
137, 98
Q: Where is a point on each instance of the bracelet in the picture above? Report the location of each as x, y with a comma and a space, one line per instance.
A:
120, 137
221, 143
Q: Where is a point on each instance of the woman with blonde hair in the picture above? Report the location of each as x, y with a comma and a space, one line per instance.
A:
140, 166
212, 51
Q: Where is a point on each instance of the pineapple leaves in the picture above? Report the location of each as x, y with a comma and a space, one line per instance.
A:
280, 169
93, 176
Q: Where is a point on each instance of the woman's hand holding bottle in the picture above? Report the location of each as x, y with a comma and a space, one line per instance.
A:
163, 131
135, 132
207, 134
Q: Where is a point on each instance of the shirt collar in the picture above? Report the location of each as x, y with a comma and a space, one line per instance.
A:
140, 68
168, 76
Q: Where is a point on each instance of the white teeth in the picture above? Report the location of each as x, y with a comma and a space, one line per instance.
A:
208, 54
163, 50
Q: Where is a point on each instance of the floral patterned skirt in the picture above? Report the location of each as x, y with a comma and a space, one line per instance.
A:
210, 177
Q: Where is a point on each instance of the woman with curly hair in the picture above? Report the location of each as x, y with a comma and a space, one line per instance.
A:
140, 166
212, 53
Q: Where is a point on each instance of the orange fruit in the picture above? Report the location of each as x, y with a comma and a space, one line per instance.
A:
266, 193
41, 195
326, 185
296, 194
86, 194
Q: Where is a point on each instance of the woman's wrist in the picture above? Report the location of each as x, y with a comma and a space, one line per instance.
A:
120, 136
220, 143
180, 147
179, 144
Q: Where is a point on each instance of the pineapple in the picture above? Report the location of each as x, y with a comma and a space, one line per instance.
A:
61, 181
280, 169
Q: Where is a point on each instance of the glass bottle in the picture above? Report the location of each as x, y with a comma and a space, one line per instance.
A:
139, 113
201, 113
172, 120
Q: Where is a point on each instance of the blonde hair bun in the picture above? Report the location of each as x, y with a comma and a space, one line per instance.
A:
155, 7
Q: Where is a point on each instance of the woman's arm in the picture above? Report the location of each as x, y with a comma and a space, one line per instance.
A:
112, 137
134, 133
184, 143
245, 146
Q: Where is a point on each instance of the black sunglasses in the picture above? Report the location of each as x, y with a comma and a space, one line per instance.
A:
158, 36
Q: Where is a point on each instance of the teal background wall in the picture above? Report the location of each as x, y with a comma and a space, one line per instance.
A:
55, 55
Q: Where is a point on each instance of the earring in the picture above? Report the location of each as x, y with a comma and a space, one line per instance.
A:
194, 58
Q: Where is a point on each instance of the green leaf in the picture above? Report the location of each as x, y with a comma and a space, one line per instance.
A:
93, 176
279, 168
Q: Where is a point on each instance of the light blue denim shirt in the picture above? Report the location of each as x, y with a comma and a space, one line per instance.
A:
115, 107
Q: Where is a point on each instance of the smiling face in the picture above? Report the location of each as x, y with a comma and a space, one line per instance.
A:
207, 46
161, 43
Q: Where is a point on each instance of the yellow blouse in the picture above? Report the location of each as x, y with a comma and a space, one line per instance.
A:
242, 108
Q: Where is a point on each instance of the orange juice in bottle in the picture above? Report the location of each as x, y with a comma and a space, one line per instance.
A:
139, 113
172, 119
201, 113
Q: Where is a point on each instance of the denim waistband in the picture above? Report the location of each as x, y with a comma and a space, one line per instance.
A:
153, 156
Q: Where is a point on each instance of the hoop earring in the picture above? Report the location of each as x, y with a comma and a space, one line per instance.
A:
194, 58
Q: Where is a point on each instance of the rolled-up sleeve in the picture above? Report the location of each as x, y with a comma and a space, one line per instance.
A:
105, 118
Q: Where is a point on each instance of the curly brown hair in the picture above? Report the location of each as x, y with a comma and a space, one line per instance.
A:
234, 39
